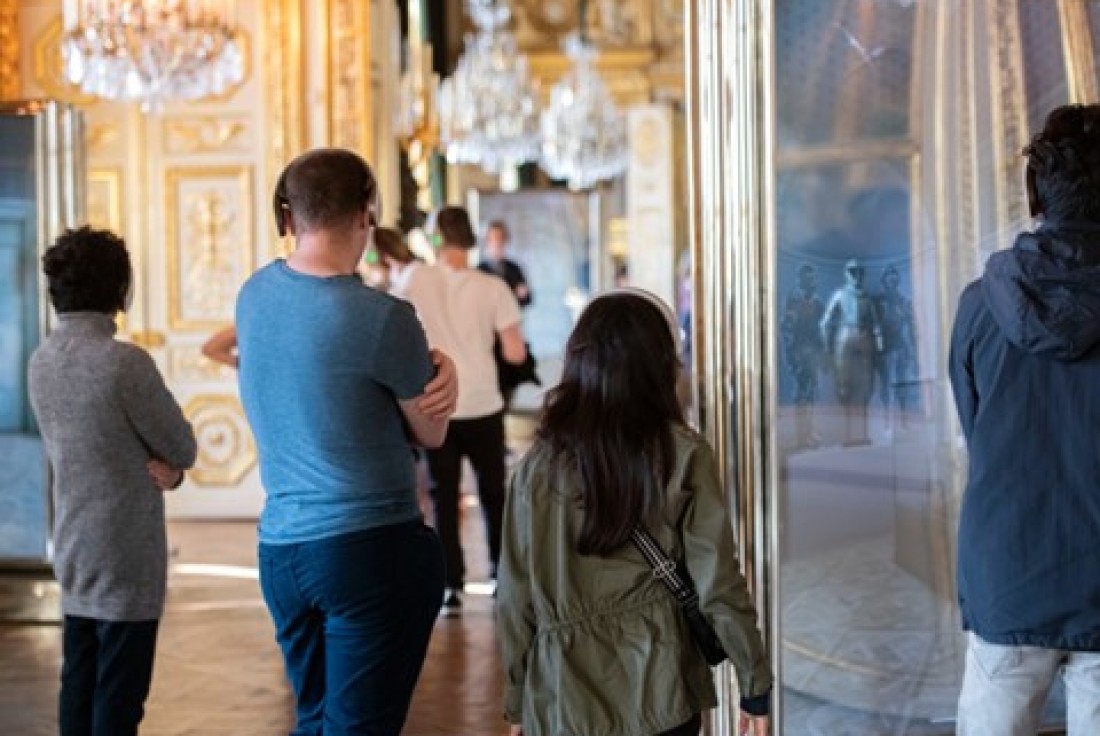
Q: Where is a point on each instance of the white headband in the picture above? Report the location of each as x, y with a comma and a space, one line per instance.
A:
662, 307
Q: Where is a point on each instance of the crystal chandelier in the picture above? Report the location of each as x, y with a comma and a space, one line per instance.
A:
583, 132
488, 109
152, 52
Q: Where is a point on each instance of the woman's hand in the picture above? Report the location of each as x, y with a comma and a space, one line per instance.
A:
441, 394
515, 730
752, 725
164, 475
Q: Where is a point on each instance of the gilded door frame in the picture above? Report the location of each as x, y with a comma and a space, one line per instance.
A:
731, 207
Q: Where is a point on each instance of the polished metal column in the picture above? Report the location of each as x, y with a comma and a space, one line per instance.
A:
730, 70
42, 152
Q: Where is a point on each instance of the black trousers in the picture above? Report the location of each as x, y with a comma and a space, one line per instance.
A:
691, 728
105, 674
482, 441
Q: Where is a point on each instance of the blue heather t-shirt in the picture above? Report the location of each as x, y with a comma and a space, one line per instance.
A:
323, 361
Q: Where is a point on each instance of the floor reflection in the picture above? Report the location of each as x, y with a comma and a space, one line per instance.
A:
871, 637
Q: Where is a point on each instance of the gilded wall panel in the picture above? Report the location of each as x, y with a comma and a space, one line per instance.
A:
609, 23
227, 451
283, 82
49, 73
9, 50
209, 219
207, 134
105, 199
640, 42
101, 138
349, 74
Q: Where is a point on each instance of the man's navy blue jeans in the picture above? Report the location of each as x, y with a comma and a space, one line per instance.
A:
105, 674
353, 614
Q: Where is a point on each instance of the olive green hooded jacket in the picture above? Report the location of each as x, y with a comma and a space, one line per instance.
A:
596, 646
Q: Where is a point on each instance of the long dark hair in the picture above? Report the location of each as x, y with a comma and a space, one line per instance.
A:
610, 419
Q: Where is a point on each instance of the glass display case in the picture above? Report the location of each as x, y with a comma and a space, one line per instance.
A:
40, 194
854, 162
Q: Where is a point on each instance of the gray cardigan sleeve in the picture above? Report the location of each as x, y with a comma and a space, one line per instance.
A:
154, 413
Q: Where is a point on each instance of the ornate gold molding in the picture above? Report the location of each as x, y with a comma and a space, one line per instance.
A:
209, 134
610, 24
9, 50
99, 136
105, 198
49, 74
208, 212
641, 44
626, 72
350, 112
227, 451
845, 153
148, 339
284, 73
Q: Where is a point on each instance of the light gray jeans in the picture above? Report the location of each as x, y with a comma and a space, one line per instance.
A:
1005, 689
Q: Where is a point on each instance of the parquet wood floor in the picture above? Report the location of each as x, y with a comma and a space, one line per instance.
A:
218, 669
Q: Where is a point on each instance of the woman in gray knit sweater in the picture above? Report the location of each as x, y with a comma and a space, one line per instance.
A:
115, 438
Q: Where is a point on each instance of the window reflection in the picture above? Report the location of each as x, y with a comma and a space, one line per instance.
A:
23, 514
898, 131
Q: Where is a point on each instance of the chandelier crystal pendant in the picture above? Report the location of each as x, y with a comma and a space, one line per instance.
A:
488, 109
152, 51
584, 138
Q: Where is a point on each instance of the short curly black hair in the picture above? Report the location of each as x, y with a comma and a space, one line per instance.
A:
1064, 161
88, 271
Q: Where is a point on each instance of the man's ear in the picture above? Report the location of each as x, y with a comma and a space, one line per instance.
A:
289, 226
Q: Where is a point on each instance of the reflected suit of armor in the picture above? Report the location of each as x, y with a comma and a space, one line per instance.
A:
852, 332
897, 365
804, 349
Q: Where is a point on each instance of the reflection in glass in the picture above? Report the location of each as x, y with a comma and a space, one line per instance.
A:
23, 513
898, 132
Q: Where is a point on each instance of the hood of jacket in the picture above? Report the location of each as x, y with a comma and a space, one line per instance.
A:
1044, 292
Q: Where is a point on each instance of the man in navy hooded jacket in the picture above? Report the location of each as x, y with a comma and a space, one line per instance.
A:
1025, 369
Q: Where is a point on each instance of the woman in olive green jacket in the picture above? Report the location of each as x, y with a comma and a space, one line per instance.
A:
593, 643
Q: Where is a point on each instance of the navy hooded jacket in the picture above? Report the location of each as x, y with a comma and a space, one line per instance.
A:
1025, 369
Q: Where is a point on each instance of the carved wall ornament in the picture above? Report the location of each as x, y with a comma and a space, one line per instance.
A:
640, 42
609, 23
205, 135
209, 213
99, 136
227, 452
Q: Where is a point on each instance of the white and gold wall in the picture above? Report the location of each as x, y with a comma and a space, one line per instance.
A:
189, 189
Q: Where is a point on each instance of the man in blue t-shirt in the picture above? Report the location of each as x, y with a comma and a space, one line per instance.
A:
337, 381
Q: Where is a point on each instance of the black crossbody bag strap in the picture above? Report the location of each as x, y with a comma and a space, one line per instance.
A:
666, 570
